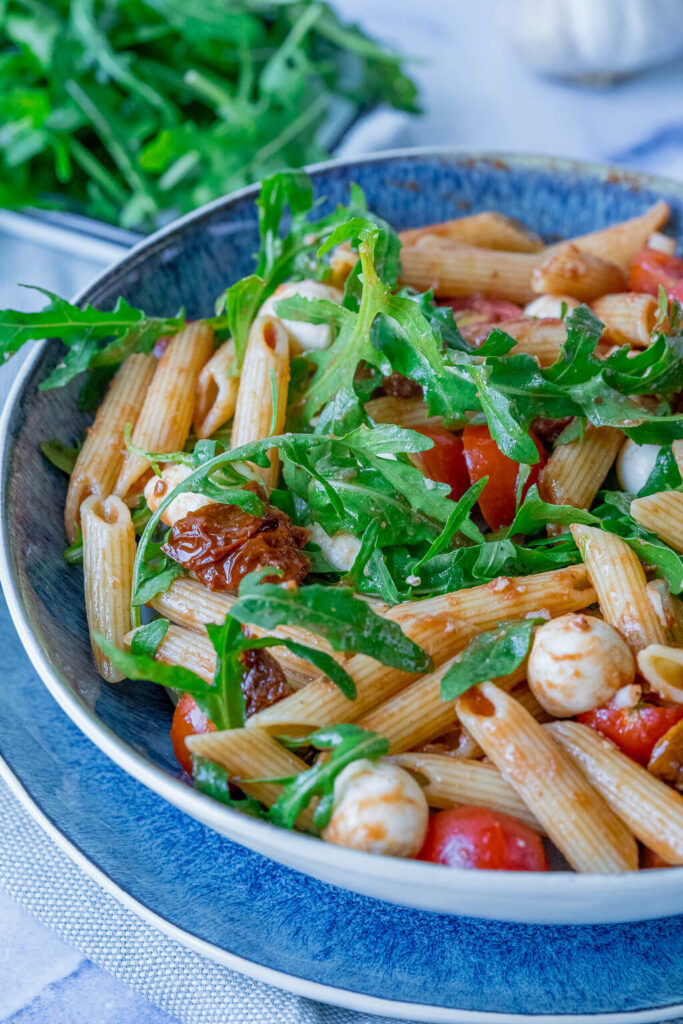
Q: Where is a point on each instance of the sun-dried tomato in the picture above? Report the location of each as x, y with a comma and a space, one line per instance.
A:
263, 683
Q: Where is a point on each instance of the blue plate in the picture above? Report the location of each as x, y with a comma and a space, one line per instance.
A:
286, 929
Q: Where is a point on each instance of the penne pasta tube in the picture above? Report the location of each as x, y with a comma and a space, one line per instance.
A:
669, 610
101, 457
192, 649
342, 262
108, 558
542, 338
166, 414
188, 603
266, 360
216, 392
442, 626
573, 814
574, 472
487, 230
662, 243
525, 697
663, 668
417, 714
452, 270
252, 754
620, 242
628, 317
619, 582
457, 780
404, 412
651, 809
662, 514
569, 271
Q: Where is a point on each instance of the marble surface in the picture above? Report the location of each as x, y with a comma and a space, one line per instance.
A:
476, 93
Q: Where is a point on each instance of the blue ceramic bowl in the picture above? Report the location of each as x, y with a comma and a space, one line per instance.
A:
189, 264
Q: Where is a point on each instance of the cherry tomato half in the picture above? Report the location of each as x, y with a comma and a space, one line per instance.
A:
188, 720
634, 730
445, 462
650, 268
476, 837
484, 458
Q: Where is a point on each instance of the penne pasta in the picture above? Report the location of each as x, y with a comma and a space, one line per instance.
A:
662, 514
450, 781
264, 377
568, 270
108, 557
662, 243
542, 338
191, 648
619, 582
404, 412
663, 668
572, 813
452, 269
651, 809
575, 471
442, 626
252, 754
417, 714
216, 392
628, 317
487, 230
620, 242
101, 457
166, 414
668, 608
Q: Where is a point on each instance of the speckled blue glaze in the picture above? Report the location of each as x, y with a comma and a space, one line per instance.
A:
206, 885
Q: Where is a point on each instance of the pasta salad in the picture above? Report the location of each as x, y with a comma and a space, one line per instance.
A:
400, 530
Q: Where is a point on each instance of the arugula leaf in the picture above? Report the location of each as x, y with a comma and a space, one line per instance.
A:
147, 638
60, 455
665, 475
348, 743
228, 643
144, 668
497, 652
534, 514
347, 622
457, 519
213, 779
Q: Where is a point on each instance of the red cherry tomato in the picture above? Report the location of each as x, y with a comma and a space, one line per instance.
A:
634, 730
650, 859
650, 268
484, 458
476, 837
188, 720
445, 461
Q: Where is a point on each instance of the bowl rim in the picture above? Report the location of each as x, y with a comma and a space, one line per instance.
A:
241, 828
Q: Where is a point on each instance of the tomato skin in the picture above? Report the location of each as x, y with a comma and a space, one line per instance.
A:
650, 268
495, 311
188, 720
634, 730
476, 837
484, 458
446, 460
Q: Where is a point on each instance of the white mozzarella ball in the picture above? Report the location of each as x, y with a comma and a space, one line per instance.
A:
378, 808
340, 550
157, 488
304, 336
635, 462
577, 663
550, 306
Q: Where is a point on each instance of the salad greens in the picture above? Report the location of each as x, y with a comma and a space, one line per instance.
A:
137, 111
496, 652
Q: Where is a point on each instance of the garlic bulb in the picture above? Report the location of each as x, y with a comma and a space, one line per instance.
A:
596, 38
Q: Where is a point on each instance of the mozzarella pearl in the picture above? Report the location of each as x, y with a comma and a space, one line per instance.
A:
304, 336
157, 488
577, 663
635, 462
378, 808
550, 306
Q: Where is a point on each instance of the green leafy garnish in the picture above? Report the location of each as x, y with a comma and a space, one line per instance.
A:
212, 779
61, 455
348, 743
146, 639
497, 652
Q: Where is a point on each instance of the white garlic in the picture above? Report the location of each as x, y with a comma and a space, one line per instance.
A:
157, 488
578, 663
635, 462
378, 808
303, 336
